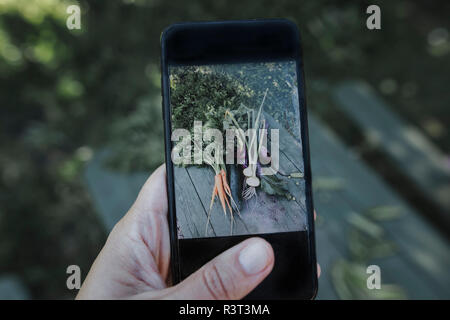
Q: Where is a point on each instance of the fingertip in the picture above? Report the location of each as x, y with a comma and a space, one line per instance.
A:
256, 256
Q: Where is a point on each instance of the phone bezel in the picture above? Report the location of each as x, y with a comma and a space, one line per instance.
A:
199, 43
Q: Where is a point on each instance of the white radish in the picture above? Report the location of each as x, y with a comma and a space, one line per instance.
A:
253, 181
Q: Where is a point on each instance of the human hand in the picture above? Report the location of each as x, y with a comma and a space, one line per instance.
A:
134, 263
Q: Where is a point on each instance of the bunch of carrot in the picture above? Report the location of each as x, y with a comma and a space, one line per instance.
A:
223, 191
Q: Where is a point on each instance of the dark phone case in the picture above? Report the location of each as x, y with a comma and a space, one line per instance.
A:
202, 40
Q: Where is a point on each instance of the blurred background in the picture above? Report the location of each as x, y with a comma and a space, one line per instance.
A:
81, 129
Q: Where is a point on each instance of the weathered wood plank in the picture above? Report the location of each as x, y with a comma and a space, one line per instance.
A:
295, 209
191, 215
264, 215
366, 189
336, 227
288, 145
291, 160
420, 248
414, 154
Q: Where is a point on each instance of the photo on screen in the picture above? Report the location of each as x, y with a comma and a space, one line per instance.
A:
236, 149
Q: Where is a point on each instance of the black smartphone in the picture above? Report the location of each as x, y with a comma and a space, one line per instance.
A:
237, 150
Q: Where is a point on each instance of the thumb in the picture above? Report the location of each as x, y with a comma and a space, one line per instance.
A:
231, 275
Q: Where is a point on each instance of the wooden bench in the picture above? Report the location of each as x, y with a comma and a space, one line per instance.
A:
414, 155
422, 259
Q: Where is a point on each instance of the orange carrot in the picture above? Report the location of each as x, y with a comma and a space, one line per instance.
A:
225, 183
228, 190
221, 189
222, 196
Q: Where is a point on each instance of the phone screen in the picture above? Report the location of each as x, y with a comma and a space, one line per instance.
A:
237, 149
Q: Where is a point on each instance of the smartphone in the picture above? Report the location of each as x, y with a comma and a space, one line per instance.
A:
236, 148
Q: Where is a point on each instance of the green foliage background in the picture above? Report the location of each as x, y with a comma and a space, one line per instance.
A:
201, 94
65, 94
204, 93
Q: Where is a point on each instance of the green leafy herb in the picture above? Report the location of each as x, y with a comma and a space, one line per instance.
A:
274, 186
